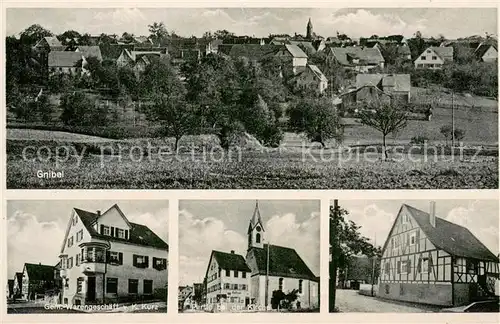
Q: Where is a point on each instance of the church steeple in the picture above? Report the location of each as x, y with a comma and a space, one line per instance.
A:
309, 31
256, 229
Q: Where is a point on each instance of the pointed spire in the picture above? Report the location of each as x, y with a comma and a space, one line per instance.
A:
256, 216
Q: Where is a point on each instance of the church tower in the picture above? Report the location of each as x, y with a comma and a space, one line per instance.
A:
309, 32
256, 230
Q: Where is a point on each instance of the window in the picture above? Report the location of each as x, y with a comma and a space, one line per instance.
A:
236, 273
75, 220
77, 259
387, 267
105, 230
70, 262
413, 238
405, 219
120, 233
148, 287
280, 284
434, 58
226, 286
141, 261
79, 284
404, 266
133, 285
70, 241
115, 258
112, 285
471, 266
300, 286
159, 263
423, 58
243, 274
79, 235
228, 273
257, 238
424, 265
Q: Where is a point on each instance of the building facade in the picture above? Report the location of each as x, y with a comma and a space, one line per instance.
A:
434, 57
429, 260
105, 258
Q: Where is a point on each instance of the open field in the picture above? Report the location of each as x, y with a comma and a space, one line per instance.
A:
206, 166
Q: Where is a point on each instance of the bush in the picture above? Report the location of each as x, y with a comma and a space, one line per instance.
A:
419, 140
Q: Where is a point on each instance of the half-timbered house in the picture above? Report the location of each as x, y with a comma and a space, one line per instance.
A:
427, 259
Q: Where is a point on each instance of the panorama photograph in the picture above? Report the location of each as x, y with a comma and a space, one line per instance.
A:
252, 98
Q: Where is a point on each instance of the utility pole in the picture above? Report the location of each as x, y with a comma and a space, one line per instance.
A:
452, 121
334, 252
373, 266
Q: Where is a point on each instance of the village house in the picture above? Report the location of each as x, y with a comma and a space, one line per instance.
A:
89, 51
429, 260
486, 53
311, 78
283, 267
49, 44
137, 60
294, 57
10, 288
434, 57
185, 297
36, 280
66, 63
360, 59
395, 87
18, 286
106, 258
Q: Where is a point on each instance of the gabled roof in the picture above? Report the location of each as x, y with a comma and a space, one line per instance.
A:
64, 59
364, 54
308, 45
317, 72
139, 234
452, 238
283, 262
445, 53
51, 41
88, 51
39, 271
295, 51
251, 51
230, 261
482, 49
398, 82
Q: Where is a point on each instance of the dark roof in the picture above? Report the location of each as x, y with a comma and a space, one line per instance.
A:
251, 51
19, 277
283, 262
364, 54
39, 271
398, 82
482, 49
113, 51
230, 261
295, 51
64, 59
452, 238
139, 234
11, 284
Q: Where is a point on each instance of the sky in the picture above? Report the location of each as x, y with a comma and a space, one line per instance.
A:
35, 229
260, 22
206, 225
481, 217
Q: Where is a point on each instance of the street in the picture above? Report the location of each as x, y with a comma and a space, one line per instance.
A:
351, 302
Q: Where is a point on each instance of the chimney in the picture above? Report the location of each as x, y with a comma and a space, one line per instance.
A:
432, 214
232, 251
98, 213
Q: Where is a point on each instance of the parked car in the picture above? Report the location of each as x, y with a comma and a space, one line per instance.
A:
486, 306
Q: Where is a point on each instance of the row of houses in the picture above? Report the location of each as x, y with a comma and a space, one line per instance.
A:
234, 282
104, 258
427, 259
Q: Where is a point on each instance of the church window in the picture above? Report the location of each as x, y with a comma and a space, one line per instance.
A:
280, 284
258, 229
257, 238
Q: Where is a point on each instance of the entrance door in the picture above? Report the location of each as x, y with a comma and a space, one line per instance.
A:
247, 301
91, 289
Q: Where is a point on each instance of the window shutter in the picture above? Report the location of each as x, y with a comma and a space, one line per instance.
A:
134, 261
102, 229
108, 256
112, 231
147, 262
126, 234
408, 266
120, 258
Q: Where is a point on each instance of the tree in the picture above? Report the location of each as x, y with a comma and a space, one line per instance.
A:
127, 37
77, 110
34, 33
158, 32
317, 118
223, 34
44, 108
283, 300
446, 130
69, 37
386, 118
